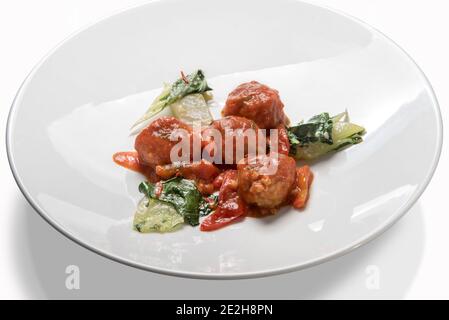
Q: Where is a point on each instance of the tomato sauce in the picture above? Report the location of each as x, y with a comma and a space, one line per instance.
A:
231, 206
130, 160
283, 141
300, 194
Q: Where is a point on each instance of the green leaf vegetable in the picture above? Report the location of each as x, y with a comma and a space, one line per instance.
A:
192, 83
208, 205
323, 134
317, 129
181, 193
192, 109
153, 215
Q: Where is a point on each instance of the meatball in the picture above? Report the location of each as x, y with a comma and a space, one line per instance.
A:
266, 180
257, 102
156, 141
283, 140
244, 139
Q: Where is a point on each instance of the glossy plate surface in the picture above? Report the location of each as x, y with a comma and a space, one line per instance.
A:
75, 109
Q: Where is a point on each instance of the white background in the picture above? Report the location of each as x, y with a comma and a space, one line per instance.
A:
411, 260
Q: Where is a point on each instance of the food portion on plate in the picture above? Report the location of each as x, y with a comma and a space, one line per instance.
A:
213, 172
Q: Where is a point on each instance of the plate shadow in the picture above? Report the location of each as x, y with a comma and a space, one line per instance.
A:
43, 254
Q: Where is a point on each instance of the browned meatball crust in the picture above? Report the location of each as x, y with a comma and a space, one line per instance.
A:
258, 102
156, 141
266, 189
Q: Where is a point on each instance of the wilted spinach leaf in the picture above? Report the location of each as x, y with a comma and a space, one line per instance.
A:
208, 205
181, 193
323, 134
317, 129
192, 83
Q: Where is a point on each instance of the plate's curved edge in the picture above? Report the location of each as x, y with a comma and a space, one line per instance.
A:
224, 276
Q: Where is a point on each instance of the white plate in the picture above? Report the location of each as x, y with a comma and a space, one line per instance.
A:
75, 108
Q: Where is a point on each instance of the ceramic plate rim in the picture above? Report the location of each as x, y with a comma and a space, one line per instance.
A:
238, 275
